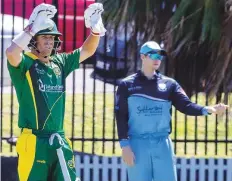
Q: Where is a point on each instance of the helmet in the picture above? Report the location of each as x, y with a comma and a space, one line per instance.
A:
48, 31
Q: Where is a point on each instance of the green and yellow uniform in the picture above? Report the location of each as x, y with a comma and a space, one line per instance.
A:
40, 91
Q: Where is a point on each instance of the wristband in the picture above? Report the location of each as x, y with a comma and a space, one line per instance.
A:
124, 143
22, 39
205, 112
95, 34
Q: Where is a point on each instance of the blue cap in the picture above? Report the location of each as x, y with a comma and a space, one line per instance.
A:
152, 46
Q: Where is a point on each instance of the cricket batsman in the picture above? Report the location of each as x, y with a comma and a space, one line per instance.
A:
143, 115
44, 153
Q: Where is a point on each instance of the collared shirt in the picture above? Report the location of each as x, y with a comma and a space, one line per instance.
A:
143, 106
40, 89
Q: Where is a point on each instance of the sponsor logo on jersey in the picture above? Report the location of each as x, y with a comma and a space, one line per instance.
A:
41, 85
49, 88
57, 71
41, 161
162, 87
71, 163
149, 110
134, 88
40, 71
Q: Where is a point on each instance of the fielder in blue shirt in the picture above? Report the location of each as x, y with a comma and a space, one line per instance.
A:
143, 114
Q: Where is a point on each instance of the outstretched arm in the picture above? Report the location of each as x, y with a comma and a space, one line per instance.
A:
183, 104
217, 109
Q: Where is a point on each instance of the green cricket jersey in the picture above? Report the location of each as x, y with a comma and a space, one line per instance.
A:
40, 89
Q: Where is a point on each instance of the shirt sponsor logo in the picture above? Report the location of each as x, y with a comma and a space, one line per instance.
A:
49, 88
162, 87
57, 71
41, 161
71, 163
40, 71
134, 88
149, 110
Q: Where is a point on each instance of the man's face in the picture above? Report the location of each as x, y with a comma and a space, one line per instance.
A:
150, 63
45, 44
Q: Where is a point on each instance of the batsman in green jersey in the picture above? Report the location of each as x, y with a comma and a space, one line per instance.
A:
45, 154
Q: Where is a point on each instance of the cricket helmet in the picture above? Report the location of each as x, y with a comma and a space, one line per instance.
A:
49, 31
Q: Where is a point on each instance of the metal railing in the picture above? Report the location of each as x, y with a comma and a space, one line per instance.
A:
90, 96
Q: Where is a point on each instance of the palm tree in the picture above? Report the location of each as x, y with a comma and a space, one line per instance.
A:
196, 34
198, 39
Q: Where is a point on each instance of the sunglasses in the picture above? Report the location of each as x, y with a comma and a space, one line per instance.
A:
156, 55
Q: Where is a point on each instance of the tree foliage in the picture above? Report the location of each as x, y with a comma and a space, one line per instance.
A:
197, 36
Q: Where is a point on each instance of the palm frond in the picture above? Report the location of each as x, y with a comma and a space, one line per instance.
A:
194, 36
197, 37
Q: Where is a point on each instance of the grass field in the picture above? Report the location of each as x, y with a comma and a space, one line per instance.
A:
94, 114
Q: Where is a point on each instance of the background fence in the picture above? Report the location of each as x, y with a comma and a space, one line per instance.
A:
97, 168
191, 169
89, 119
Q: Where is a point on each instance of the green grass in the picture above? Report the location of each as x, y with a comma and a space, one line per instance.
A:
107, 111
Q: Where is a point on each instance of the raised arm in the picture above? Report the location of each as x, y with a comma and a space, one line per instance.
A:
40, 19
93, 20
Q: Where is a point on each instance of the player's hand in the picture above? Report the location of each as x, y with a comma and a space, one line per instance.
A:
47, 9
93, 19
128, 156
40, 19
41, 22
217, 109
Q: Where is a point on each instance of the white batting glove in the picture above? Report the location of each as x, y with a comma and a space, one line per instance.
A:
50, 11
40, 23
39, 20
93, 19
